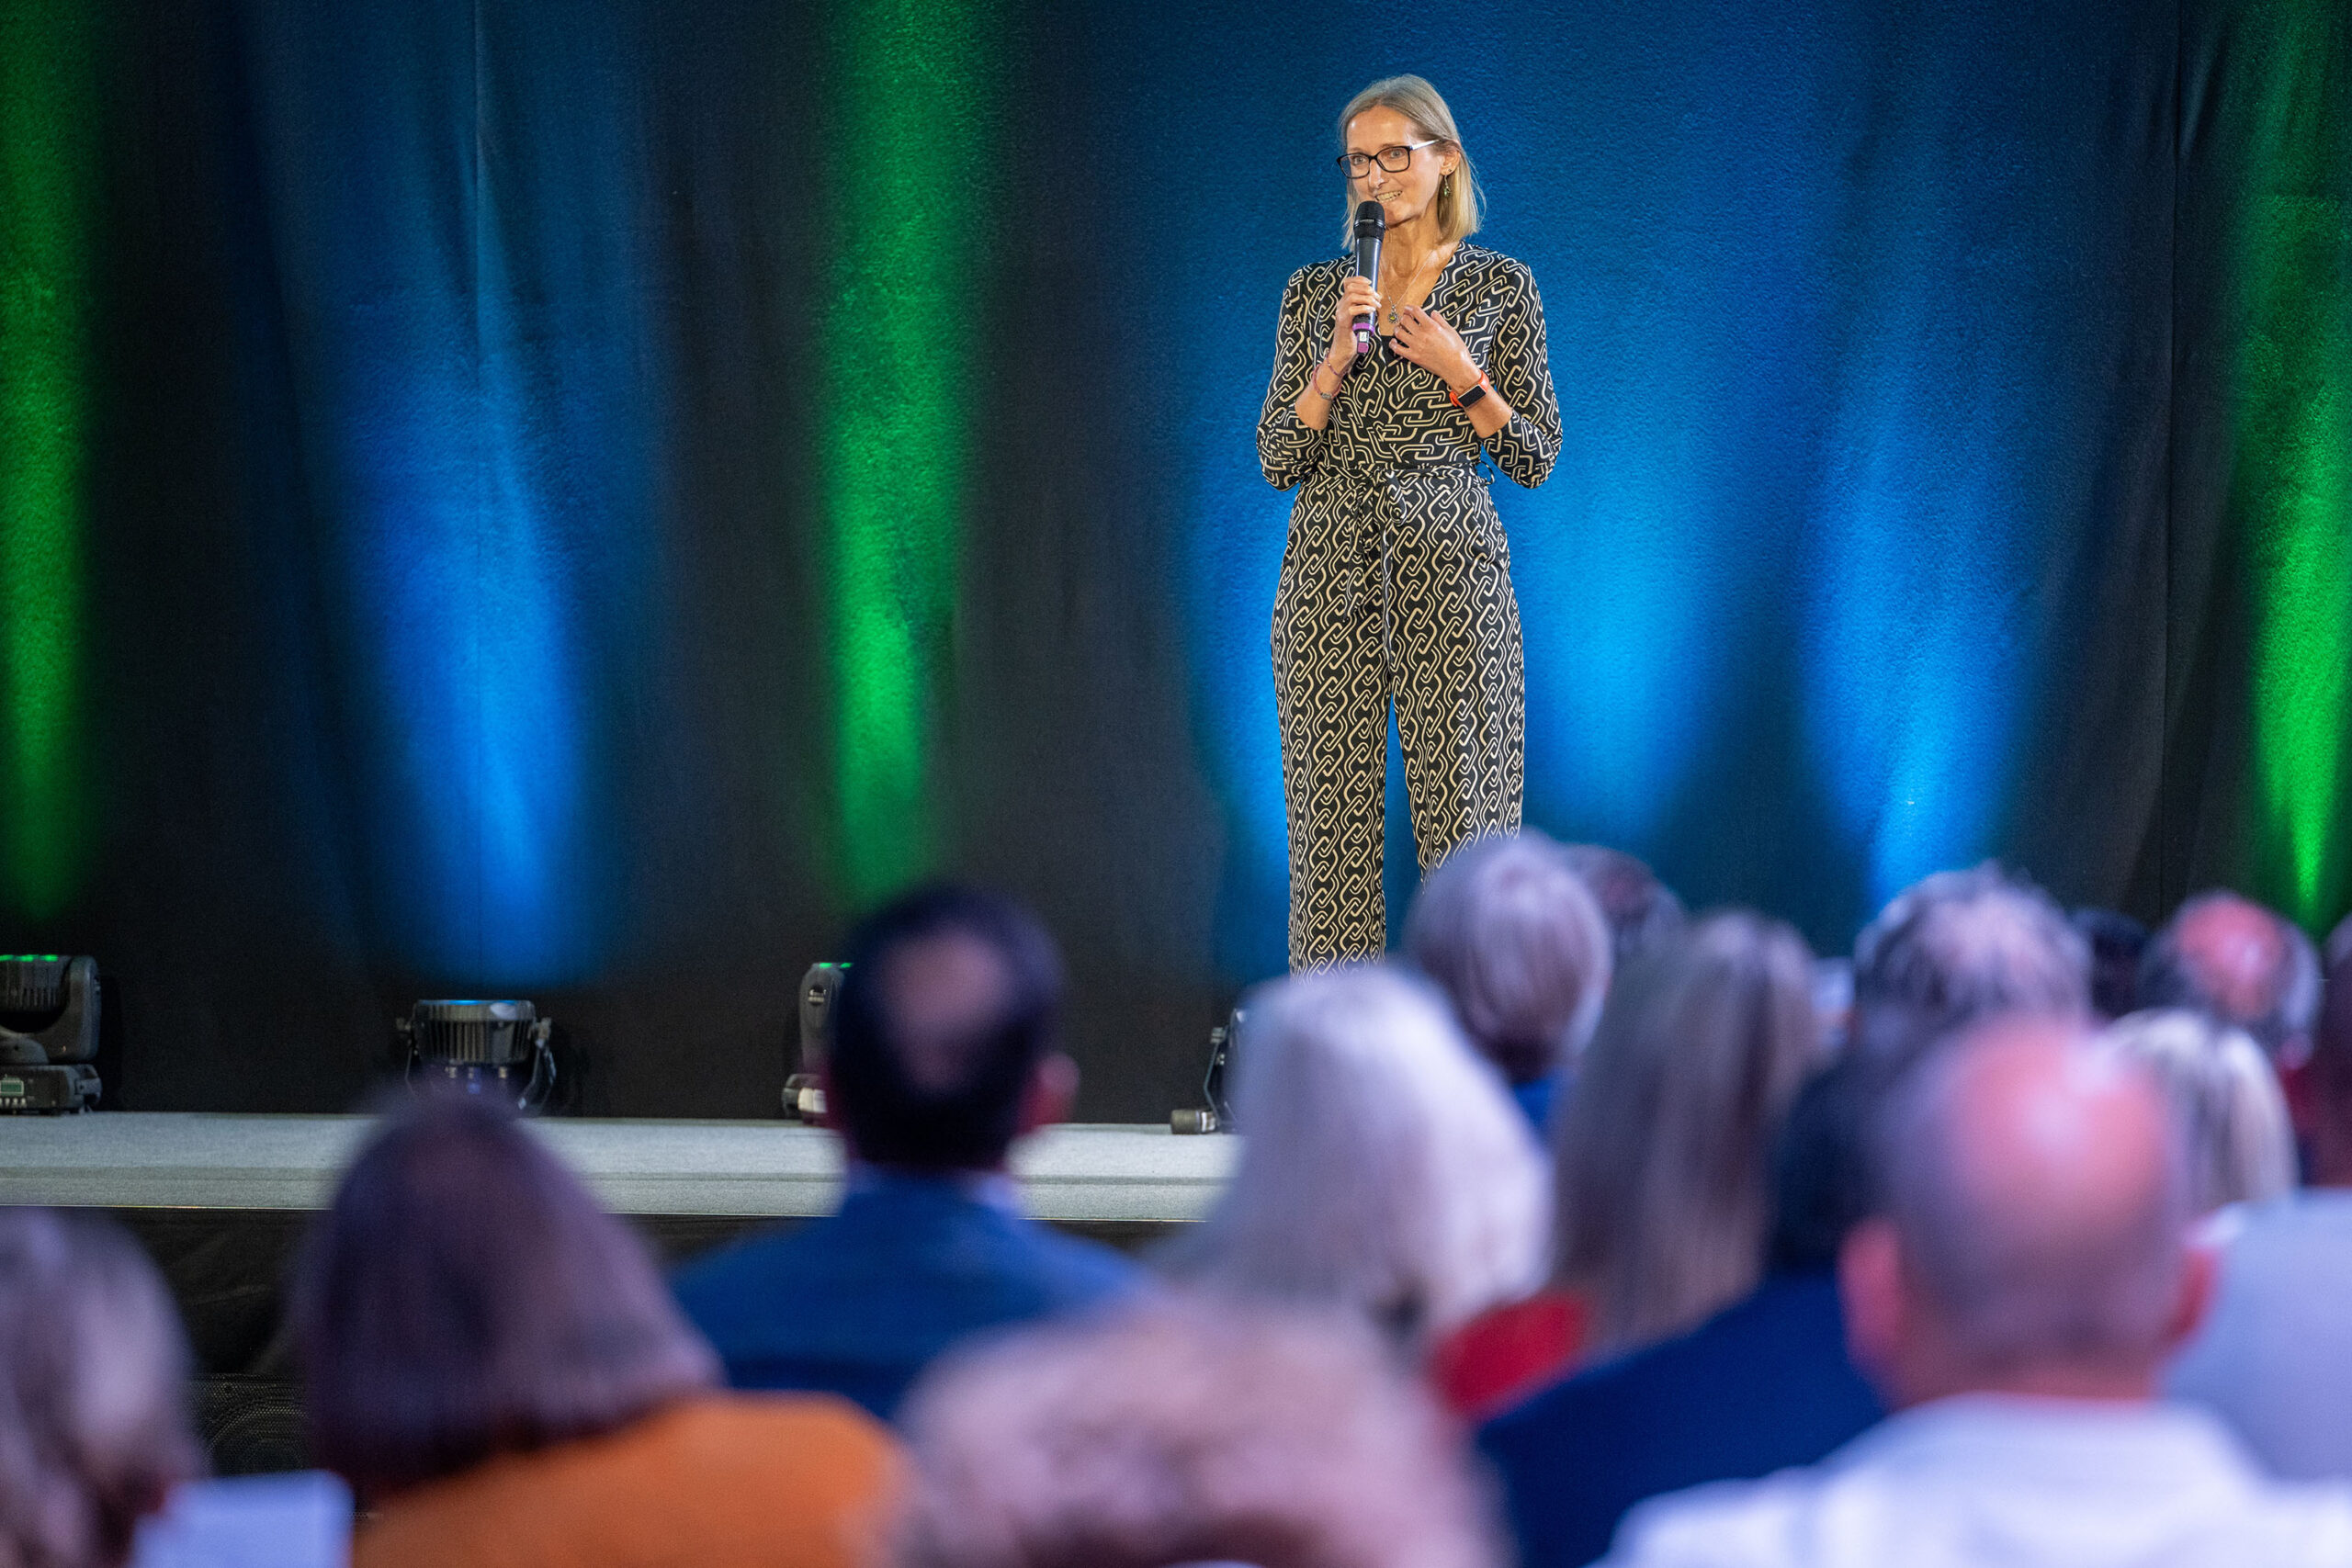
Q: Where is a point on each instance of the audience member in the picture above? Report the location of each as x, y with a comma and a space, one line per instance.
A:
2319, 1093
2030, 1275
2236, 961
1508, 932
2238, 1144
2117, 943
1188, 1432
493, 1365
1764, 1384
1962, 946
1641, 910
94, 1430
1383, 1170
944, 1054
1664, 1157
2274, 1359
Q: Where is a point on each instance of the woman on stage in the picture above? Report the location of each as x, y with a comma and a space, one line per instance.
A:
1395, 585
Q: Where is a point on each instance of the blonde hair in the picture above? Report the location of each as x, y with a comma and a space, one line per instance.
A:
1382, 1165
2240, 1141
1663, 1157
1460, 203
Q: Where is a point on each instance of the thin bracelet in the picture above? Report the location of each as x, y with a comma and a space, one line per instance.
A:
1315, 383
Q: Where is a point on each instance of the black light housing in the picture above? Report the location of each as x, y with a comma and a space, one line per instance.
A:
49, 1032
497, 1049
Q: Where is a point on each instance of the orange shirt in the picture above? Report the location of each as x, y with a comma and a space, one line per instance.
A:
782, 1481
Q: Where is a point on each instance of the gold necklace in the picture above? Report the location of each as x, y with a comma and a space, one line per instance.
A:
1412, 284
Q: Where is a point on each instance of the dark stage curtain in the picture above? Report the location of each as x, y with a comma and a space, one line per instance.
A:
575, 500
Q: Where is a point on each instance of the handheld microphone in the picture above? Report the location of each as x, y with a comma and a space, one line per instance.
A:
1371, 223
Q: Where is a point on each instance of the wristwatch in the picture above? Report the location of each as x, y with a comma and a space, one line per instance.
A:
1463, 400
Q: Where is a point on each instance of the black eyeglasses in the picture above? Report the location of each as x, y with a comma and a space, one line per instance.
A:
1395, 160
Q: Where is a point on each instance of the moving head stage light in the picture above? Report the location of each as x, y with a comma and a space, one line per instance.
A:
49, 1032
804, 1089
479, 1047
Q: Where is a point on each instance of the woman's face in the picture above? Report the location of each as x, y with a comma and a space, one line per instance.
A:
1402, 195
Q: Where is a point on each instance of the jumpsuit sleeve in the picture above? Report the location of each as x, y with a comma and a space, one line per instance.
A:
1521, 369
1288, 450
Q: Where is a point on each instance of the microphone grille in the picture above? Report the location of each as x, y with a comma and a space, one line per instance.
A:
1371, 216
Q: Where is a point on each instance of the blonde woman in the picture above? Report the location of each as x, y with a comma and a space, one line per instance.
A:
2240, 1140
1395, 584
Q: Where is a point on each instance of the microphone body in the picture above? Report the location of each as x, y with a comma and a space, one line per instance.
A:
1371, 224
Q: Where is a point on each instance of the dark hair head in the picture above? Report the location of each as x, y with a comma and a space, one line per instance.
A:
2238, 964
1641, 910
464, 1296
1510, 934
952, 998
1962, 945
93, 1426
2117, 942
1822, 1184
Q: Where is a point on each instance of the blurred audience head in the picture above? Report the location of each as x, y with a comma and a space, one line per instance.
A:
1822, 1183
1959, 946
464, 1296
94, 1427
1509, 934
2236, 961
2235, 1136
2320, 1093
2034, 1238
1664, 1157
1641, 910
1382, 1165
944, 1033
2117, 942
1188, 1432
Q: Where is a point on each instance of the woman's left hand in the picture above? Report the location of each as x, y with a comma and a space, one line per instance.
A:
1423, 337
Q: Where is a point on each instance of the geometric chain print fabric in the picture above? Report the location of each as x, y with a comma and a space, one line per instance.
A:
1395, 588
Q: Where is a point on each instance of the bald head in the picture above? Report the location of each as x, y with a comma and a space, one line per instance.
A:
2036, 1218
2239, 963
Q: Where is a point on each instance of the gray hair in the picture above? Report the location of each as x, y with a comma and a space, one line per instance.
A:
1664, 1157
2239, 1140
1184, 1431
2277, 1000
1509, 931
2014, 1291
1383, 1165
1961, 945
93, 1426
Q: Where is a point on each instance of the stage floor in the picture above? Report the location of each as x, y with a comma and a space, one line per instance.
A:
1081, 1174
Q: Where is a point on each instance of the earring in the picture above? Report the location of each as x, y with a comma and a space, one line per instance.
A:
1445, 185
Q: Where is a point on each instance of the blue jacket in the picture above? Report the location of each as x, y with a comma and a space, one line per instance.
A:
859, 1304
1763, 1385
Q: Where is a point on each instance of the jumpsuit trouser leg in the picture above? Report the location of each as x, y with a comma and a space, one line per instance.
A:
1382, 604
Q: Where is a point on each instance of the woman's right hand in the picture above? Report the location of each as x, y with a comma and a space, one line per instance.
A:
1358, 299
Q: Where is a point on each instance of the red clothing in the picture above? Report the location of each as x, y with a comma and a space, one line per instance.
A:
1495, 1358
791, 1482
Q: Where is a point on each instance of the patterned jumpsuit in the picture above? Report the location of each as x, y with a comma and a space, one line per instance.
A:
1395, 587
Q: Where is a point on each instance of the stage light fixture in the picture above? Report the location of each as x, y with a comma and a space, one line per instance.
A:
49, 1032
496, 1049
1217, 1116
804, 1089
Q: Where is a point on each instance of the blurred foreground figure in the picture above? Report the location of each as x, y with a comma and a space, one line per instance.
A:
1191, 1430
492, 1362
2239, 1145
2273, 1357
1507, 930
1764, 1384
94, 1430
1642, 911
2028, 1277
1383, 1168
1959, 946
943, 1056
2239, 963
